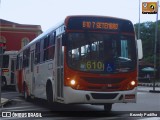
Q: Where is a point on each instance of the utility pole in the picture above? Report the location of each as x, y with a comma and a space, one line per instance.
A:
0, 63
139, 20
155, 51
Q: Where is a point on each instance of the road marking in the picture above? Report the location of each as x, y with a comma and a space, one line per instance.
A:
32, 109
17, 107
3, 93
25, 109
17, 99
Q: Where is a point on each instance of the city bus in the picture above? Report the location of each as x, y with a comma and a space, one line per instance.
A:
8, 68
82, 60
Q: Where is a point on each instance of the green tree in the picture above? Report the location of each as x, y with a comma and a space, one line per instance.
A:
147, 35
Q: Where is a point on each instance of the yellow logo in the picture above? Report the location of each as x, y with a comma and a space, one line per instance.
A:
149, 8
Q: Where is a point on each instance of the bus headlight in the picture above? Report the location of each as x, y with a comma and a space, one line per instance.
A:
73, 82
133, 83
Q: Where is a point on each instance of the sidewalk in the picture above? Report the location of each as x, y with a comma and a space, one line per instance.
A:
147, 89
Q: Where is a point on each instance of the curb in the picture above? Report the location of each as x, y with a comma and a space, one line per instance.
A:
149, 84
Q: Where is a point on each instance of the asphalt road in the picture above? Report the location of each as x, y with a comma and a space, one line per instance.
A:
147, 104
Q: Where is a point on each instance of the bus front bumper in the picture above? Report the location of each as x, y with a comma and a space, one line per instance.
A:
94, 97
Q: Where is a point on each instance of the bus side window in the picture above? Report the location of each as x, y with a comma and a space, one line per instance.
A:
64, 37
26, 57
32, 61
51, 49
18, 62
45, 48
37, 53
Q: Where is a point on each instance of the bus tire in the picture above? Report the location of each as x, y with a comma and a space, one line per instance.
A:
108, 107
49, 93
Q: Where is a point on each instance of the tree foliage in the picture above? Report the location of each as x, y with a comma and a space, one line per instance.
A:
147, 35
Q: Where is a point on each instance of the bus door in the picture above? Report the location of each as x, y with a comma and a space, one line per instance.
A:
32, 72
59, 67
12, 76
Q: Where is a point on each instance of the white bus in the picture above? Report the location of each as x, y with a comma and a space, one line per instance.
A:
85, 59
8, 68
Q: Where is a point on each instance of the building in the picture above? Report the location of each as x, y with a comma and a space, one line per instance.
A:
14, 36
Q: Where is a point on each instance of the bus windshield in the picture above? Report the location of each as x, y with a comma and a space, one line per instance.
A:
101, 52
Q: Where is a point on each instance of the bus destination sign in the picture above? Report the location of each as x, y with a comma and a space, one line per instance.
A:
99, 25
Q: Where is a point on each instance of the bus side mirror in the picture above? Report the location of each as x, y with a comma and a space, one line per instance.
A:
140, 50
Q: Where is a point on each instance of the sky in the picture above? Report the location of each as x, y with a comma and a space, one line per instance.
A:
48, 13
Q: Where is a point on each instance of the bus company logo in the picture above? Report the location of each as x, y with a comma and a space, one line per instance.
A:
6, 114
149, 8
20, 115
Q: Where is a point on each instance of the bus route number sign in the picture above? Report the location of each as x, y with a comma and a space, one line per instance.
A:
99, 25
95, 65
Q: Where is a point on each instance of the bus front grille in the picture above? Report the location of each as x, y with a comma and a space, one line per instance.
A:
102, 80
103, 88
103, 95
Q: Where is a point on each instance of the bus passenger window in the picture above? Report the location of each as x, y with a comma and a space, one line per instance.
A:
37, 53
51, 48
26, 57
52, 45
17, 63
45, 48
52, 38
51, 51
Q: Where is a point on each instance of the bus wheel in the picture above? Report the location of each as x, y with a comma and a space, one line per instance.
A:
108, 107
49, 92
